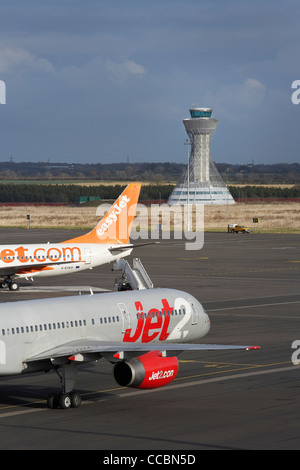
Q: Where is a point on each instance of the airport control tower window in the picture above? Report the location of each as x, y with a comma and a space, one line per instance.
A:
195, 113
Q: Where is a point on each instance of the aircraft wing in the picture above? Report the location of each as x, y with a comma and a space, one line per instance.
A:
84, 348
129, 246
120, 248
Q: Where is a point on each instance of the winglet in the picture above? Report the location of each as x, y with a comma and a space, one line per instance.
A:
115, 226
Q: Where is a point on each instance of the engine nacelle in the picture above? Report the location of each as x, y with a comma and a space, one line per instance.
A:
151, 370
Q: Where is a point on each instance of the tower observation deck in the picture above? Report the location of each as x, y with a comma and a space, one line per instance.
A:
202, 183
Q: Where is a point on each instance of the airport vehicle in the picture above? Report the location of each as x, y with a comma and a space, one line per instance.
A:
238, 228
108, 241
140, 332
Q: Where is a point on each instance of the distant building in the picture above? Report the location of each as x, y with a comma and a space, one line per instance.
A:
202, 183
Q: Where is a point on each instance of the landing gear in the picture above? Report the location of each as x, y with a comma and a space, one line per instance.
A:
10, 284
64, 400
67, 398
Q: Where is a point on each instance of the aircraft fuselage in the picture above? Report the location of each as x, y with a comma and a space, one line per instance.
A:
55, 259
30, 329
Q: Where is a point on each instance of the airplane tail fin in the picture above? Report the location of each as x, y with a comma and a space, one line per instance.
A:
115, 226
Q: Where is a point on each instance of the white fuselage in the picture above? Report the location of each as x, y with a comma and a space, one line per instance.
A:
52, 259
29, 329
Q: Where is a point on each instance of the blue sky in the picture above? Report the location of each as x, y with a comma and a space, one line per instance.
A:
102, 81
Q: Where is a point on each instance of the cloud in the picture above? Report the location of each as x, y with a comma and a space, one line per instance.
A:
66, 70
251, 92
123, 70
13, 58
237, 101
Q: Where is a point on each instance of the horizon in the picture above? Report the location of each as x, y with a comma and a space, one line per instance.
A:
144, 163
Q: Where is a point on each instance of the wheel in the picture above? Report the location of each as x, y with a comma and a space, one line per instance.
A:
52, 401
13, 286
75, 400
65, 401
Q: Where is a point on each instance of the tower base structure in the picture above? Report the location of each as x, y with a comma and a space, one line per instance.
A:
204, 193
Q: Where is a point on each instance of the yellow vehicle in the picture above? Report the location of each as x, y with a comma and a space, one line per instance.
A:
238, 228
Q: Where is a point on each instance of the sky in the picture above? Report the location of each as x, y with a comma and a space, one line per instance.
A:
111, 81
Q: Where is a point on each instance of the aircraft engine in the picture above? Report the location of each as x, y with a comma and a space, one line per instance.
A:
151, 370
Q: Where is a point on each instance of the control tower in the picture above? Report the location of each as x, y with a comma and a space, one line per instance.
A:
202, 183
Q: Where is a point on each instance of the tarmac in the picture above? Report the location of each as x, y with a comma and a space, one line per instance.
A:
233, 400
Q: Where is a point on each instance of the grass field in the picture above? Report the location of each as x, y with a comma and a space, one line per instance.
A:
273, 217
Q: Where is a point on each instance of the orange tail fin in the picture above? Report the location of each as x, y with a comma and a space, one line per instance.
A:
115, 226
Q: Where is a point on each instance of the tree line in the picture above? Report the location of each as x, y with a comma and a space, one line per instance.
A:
155, 172
259, 192
71, 193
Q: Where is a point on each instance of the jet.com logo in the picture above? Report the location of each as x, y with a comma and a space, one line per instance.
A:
2, 92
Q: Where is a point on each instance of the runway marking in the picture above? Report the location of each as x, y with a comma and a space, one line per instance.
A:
212, 380
254, 306
170, 387
21, 412
236, 299
230, 273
